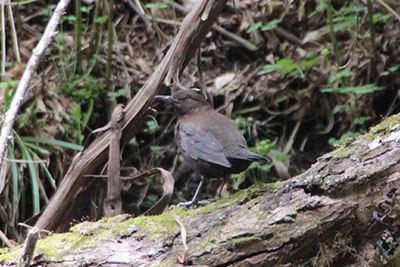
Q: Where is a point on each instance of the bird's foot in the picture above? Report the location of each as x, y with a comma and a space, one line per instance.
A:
217, 197
191, 202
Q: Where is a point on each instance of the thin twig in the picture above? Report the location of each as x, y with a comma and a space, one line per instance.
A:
3, 40
390, 9
218, 28
140, 12
78, 36
110, 30
14, 33
292, 137
238, 39
373, 60
5, 240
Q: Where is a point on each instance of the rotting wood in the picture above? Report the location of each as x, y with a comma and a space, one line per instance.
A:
113, 202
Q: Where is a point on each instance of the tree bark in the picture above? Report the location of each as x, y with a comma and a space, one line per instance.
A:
322, 217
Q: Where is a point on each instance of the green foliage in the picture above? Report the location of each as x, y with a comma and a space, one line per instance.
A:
25, 168
257, 173
259, 25
344, 19
340, 108
101, 19
149, 201
81, 120
25, 118
393, 68
381, 17
157, 5
48, 10
89, 89
51, 142
72, 18
264, 147
341, 74
347, 18
242, 124
26, 160
358, 90
66, 57
286, 66
118, 93
344, 139
361, 120
9, 92
278, 155
151, 126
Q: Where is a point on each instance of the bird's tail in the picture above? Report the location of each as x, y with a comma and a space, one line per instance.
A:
258, 158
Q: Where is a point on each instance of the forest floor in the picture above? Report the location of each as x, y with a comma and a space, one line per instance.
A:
294, 76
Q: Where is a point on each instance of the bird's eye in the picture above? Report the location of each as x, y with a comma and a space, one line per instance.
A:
183, 97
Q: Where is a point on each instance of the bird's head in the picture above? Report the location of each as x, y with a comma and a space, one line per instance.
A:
186, 102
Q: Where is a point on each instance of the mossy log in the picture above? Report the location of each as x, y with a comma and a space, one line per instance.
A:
322, 217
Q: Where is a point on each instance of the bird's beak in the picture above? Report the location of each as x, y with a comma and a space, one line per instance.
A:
164, 98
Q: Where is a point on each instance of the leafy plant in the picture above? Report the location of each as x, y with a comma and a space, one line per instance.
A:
27, 160
82, 120
89, 89
358, 90
25, 179
259, 25
156, 5
9, 92
256, 173
286, 66
341, 74
361, 120
243, 125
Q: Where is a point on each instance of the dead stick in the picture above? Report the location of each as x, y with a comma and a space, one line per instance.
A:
113, 202
29, 248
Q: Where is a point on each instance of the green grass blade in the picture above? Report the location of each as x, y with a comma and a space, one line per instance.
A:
49, 176
52, 142
14, 182
33, 177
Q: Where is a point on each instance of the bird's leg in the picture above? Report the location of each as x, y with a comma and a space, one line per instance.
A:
194, 199
221, 187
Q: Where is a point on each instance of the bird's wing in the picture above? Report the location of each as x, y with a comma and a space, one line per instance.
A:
201, 144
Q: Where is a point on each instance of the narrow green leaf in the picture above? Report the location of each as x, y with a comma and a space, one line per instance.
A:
33, 177
254, 27
52, 142
271, 25
361, 120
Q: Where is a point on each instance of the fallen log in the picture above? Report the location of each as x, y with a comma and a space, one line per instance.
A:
323, 217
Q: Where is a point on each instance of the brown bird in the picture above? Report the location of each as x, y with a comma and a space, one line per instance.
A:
207, 140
